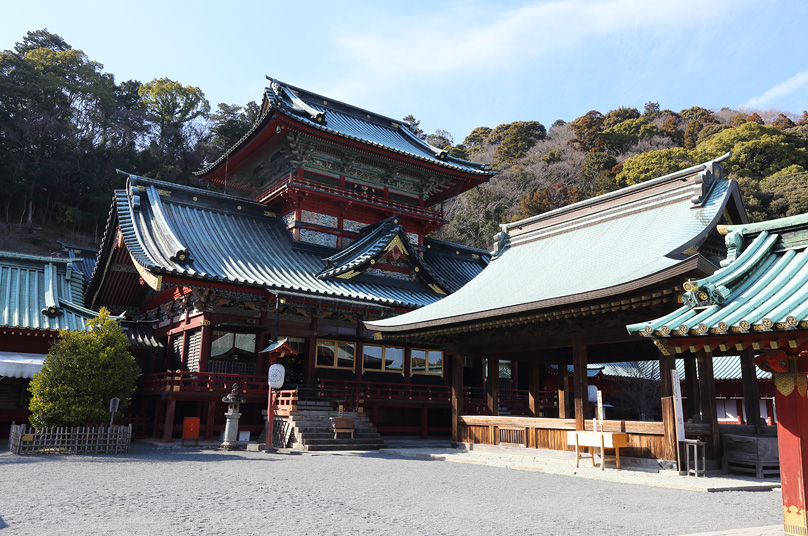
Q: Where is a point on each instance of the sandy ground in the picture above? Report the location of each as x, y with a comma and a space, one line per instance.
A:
191, 491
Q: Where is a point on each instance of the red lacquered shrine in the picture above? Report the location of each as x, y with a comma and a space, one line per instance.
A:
316, 220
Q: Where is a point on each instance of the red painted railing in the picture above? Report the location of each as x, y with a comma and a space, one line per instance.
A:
203, 382
344, 192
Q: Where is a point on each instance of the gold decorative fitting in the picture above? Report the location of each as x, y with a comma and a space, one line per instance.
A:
665, 330
767, 322
703, 296
195, 198
269, 214
786, 382
417, 269
368, 115
164, 193
723, 327
648, 329
703, 328
792, 321
239, 207
744, 325
325, 102
206, 322
795, 521
141, 188
690, 286
457, 252
683, 329
372, 261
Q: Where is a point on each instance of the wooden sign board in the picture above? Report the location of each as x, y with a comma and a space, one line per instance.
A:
600, 406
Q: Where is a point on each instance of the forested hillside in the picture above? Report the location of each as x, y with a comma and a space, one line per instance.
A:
597, 153
66, 125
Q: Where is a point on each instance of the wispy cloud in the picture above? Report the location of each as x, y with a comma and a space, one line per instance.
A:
784, 89
436, 44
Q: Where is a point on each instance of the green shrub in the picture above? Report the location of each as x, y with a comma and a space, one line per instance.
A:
82, 372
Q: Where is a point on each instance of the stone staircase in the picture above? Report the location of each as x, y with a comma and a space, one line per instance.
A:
311, 431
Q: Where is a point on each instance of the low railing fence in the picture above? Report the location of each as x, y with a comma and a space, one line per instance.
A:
25, 439
511, 402
352, 394
203, 382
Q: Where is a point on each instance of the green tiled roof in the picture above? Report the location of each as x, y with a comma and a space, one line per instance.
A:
762, 287
41, 293
180, 231
593, 249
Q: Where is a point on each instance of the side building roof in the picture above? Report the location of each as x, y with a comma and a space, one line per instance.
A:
187, 233
41, 293
763, 286
600, 247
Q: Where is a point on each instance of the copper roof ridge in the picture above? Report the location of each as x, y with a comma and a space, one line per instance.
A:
605, 199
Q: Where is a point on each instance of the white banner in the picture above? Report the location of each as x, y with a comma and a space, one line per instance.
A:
677, 405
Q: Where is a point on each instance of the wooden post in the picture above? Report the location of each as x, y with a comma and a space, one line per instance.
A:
692, 387
563, 389
709, 414
159, 407
792, 439
751, 397
492, 389
580, 381
210, 420
204, 350
424, 422
534, 387
670, 449
359, 362
312, 353
168, 427
457, 394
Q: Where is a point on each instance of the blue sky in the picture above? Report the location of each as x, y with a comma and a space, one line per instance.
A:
455, 65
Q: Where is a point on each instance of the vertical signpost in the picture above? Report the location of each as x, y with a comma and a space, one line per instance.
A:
678, 414
600, 409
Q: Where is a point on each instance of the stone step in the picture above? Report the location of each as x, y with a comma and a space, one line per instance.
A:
307, 438
360, 446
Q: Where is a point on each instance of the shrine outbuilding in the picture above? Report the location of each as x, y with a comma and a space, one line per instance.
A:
560, 289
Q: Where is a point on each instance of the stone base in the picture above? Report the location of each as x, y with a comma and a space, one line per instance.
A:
230, 445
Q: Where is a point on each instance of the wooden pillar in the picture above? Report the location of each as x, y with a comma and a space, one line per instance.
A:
751, 397
792, 441
312, 353
709, 414
580, 381
457, 394
211, 419
492, 389
692, 387
424, 422
670, 445
359, 361
534, 388
168, 427
408, 364
204, 351
159, 407
563, 390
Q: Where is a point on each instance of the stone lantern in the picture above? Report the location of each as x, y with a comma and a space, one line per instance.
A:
233, 400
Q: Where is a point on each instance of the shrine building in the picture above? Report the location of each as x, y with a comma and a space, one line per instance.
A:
559, 291
314, 222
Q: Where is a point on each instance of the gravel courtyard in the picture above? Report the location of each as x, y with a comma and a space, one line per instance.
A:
191, 491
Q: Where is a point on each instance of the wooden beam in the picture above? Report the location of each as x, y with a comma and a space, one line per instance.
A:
580, 382
709, 413
168, 427
751, 397
492, 386
457, 393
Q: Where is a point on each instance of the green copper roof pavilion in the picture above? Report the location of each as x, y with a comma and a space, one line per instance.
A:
763, 286
599, 248
41, 293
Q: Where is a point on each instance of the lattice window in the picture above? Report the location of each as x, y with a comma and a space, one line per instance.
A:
176, 351
194, 350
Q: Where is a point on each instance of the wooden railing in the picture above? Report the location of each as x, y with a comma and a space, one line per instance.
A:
351, 394
292, 181
511, 402
25, 439
203, 382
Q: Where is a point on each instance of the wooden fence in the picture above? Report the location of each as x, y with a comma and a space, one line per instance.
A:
25, 439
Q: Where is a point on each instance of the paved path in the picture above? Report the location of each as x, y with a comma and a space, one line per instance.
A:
200, 491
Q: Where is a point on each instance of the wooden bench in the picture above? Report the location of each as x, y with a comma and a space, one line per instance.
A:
342, 425
592, 440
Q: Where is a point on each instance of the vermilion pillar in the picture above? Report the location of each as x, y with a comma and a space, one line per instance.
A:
791, 384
